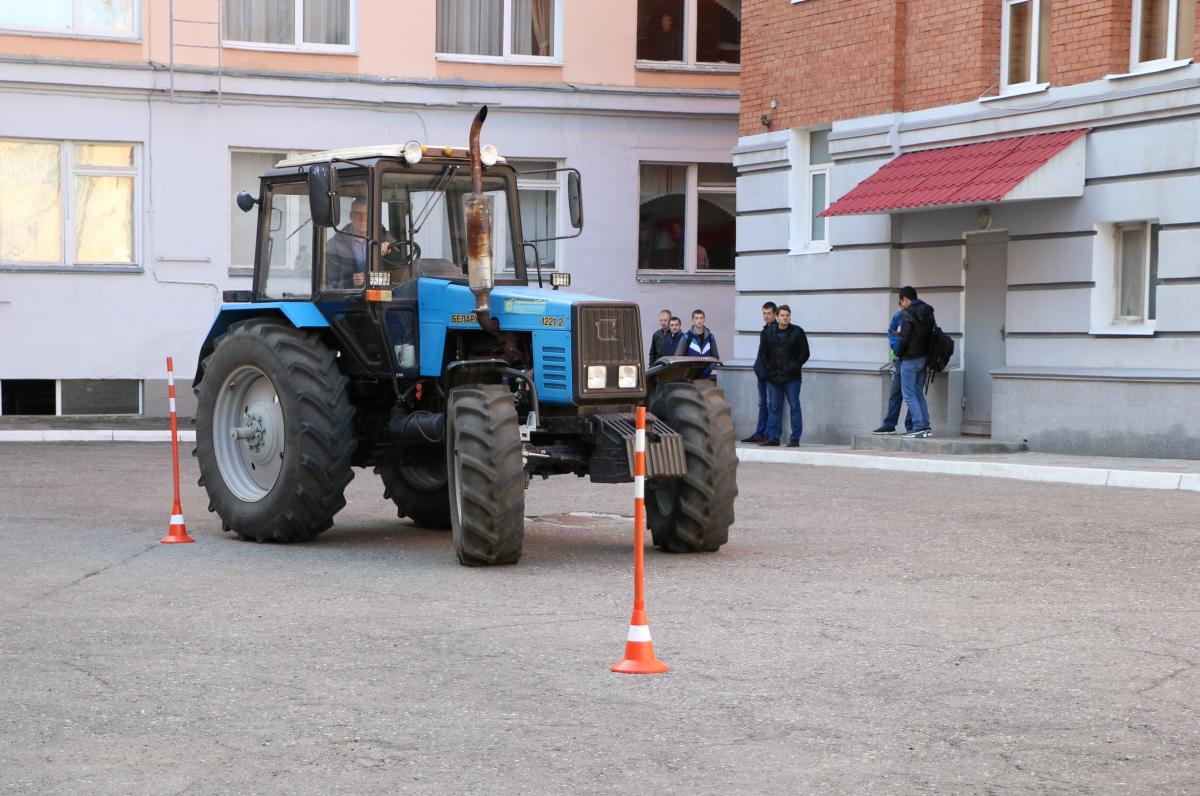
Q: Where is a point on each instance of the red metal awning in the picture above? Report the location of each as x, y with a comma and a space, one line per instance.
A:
983, 173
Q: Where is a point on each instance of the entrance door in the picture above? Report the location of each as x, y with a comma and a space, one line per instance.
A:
983, 325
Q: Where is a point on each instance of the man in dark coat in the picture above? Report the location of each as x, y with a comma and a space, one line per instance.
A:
916, 326
661, 340
760, 372
784, 350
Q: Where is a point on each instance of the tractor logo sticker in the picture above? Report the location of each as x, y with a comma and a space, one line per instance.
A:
606, 330
464, 318
516, 306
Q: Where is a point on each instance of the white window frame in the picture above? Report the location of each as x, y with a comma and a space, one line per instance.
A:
551, 182
691, 217
1035, 48
800, 194
67, 172
689, 62
507, 56
1106, 274
1135, 40
74, 32
300, 46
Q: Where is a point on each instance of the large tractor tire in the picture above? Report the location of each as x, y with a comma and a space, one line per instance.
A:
486, 475
419, 492
283, 478
693, 513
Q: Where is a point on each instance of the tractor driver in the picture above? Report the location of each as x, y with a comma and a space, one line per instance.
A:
347, 253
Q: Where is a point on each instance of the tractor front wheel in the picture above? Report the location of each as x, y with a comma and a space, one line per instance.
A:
693, 513
273, 432
419, 491
486, 475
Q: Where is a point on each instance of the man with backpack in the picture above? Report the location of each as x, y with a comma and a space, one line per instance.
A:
783, 347
698, 342
917, 323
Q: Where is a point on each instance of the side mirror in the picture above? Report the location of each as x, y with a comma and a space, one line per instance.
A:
575, 199
323, 202
245, 201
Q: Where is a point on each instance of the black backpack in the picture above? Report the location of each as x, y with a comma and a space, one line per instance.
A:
941, 349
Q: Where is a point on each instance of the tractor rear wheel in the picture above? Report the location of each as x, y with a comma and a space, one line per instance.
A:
486, 475
693, 513
273, 432
419, 492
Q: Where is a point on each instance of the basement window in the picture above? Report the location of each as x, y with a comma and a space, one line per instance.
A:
28, 397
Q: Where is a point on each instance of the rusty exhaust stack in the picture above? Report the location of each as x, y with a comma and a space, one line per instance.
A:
480, 275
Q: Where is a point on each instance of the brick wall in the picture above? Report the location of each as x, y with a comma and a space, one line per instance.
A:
824, 60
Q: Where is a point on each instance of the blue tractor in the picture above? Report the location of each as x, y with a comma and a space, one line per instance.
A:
409, 340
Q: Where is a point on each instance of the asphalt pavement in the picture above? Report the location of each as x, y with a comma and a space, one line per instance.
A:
864, 631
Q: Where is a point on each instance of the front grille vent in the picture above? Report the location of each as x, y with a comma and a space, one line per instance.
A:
609, 334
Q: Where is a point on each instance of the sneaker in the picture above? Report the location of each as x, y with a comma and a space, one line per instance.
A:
753, 438
919, 434
769, 443
794, 443
885, 430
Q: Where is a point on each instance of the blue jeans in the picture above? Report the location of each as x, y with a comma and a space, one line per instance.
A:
776, 393
761, 429
912, 385
895, 398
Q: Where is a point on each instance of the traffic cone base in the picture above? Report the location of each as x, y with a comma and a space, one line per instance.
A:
177, 532
639, 654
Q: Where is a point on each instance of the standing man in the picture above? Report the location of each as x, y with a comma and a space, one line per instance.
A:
698, 342
784, 348
916, 326
676, 334
760, 371
894, 396
658, 343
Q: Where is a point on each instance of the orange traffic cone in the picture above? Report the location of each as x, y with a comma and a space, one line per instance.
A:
639, 649
177, 532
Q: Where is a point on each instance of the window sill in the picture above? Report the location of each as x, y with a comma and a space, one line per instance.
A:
1152, 68
664, 277
1125, 330
499, 60
241, 270
14, 268
53, 33
680, 66
810, 248
1022, 90
301, 49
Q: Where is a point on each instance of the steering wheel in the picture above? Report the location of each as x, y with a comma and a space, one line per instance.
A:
402, 254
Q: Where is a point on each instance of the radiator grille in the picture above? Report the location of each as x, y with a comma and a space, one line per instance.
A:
609, 334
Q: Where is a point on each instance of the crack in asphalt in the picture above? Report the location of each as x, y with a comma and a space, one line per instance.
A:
82, 578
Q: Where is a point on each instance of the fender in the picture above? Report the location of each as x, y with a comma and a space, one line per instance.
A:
300, 314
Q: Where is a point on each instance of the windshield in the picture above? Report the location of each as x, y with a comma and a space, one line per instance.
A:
427, 209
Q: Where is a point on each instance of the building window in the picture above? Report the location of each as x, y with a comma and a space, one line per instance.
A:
1136, 272
70, 397
689, 32
808, 153
1125, 273
538, 193
105, 18
686, 219
76, 203
244, 170
818, 183
500, 30
290, 24
1162, 32
1025, 44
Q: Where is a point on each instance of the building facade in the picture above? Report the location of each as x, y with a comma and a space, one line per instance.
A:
1032, 167
130, 125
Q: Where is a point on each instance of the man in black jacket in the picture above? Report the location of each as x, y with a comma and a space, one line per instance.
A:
916, 326
760, 373
783, 347
661, 340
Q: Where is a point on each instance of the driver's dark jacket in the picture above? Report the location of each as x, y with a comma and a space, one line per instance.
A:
341, 259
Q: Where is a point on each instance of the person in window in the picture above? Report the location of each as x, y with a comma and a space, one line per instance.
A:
668, 40
668, 251
346, 253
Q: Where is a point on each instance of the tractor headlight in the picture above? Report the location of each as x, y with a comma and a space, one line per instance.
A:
597, 377
627, 377
488, 155
413, 152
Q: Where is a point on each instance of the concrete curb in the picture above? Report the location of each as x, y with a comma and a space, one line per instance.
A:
92, 435
1090, 476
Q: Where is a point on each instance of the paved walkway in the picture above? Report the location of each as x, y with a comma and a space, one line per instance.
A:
1025, 466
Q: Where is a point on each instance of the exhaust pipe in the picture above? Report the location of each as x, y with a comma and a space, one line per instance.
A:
480, 275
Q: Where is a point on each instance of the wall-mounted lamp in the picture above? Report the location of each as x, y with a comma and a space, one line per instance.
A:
983, 218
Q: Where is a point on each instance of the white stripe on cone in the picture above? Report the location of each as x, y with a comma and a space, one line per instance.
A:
176, 519
639, 633
639, 441
172, 405
639, 487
